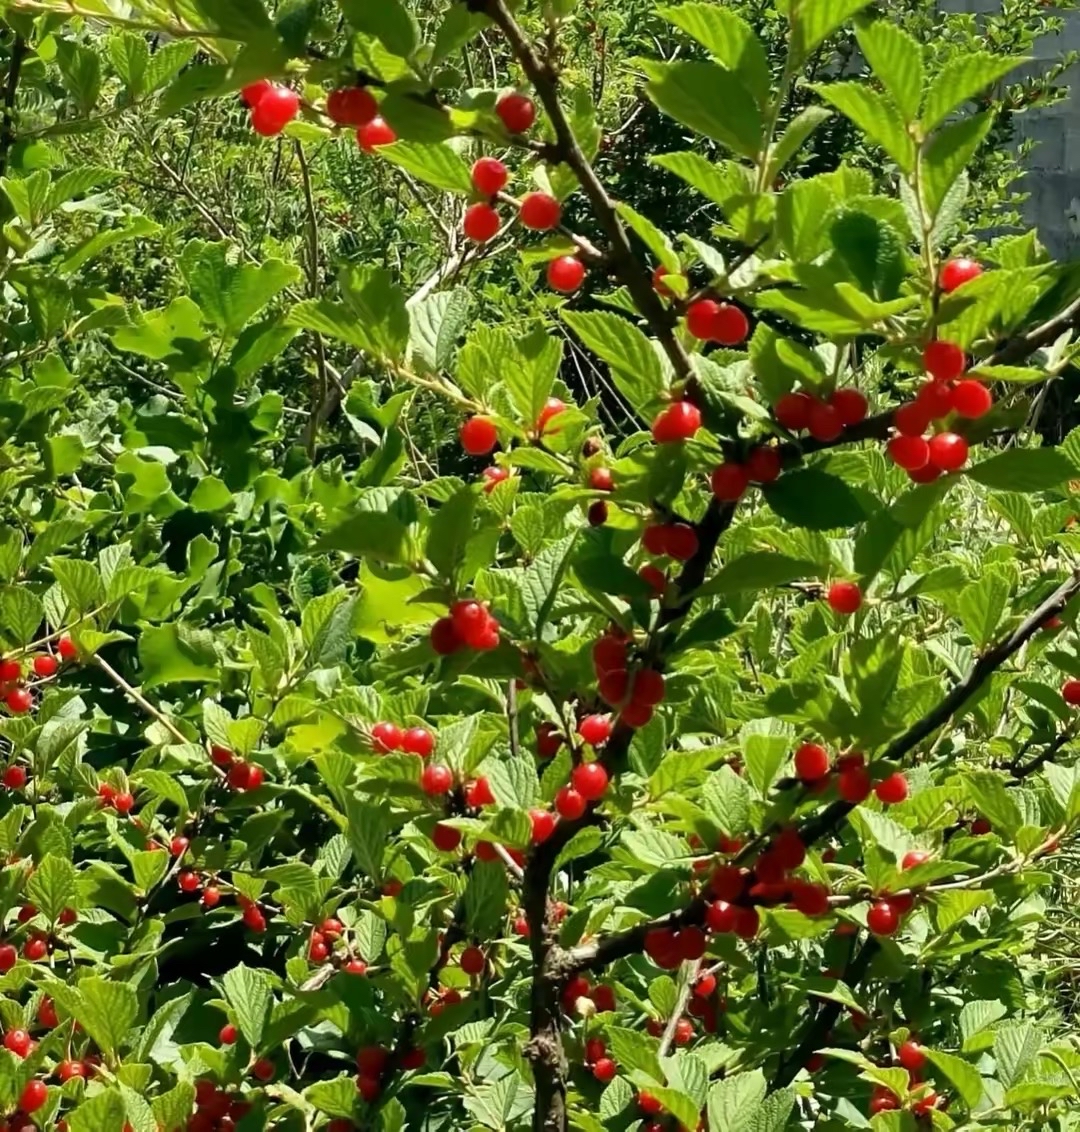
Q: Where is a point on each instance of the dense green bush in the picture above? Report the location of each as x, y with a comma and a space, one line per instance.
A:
670, 757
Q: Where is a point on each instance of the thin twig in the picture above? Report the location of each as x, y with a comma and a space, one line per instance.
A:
137, 696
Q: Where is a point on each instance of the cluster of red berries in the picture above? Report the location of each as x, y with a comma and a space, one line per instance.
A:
470, 625
676, 422
730, 479
241, 775
588, 781
272, 105
190, 883
323, 938
602, 1067
710, 321
356, 108
122, 801
813, 767
387, 737
216, 1108
912, 1057
824, 420
635, 694
668, 947
601, 996
372, 1063
17, 697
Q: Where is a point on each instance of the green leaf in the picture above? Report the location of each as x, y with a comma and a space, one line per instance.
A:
107, 1011
978, 1015
875, 115
1025, 470
765, 744
871, 250
103, 1112
336, 1097
963, 1076
726, 798
895, 57
734, 1101
982, 604
368, 832
130, 55
435, 325
758, 570
485, 897
177, 654
815, 499
436, 165
21, 614
634, 364
729, 39
389, 21
794, 137
947, 156
229, 291
773, 1115
248, 994
651, 236
964, 76
710, 100
172, 1109
80, 68
1016, 1046
813, 21
52, 886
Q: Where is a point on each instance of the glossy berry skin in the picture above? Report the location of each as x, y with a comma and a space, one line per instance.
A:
1070, 692
351, 106
956, 272
569, 803
729, 482
481, 223
418, 741
844, 597
971, 399
595, 729
18, 1042
14, 777
518, 113
263, 1069
681, 541
793, 411
892, 790
274, 111
649, 688
944, 361
731, 327
661, 273
948, 451
253, 918
705, 987
45, 666
35, 949
478, 793
540, 212
444, 637
915, 857
227, 1035
47, 1015
375, 133
479, 436
553, 406
911, 1056
494, 476
811, 762
825, 423
178, 846
909, 452
701, 318
436, 780
604, 1069
66, 648
911, 419
33, 1096
253, 92
10, 670
472, 961
8, 958
764, 465
124, 802
543, 825
445, 838
649, 1104
810, 899
565, 274
489, 176
935, 399
854, 784
19, 701
211, 897
883, 918
590, 780
850, 405
679, 421
188, 881
67, 1070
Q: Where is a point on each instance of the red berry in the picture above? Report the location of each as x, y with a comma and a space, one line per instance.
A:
935, 398
369, 1088
411, 1059
68, 916
595, 730
15, 777
445, 838
227, 1035
763, 465
19, 701
731, 327
844, 597
66, 648
188, 881
124, 802
590, 780
883, 918
489, 176
8, 957
648, 1103
355, 967
595, 1048
543, 825
604, 997
789, 850
604, 1069
681, 541
239, 776
601, 479
18, 1041
517, 112
925, 475
654, 539
178, 846
811, 762
909, 452
478, 793
211, 897
45, 666
684, 1032
980, 827
824, 423
540, 211
614, 686
331, 928
444, 637
351, 106
436, 779
915, 857
948, 451
253, 918
221, 756
66, 1070
47, 1015
472, 961
728, 882
521, 927
679, 421
705, 987
649, 688
553, 406
655, 578
597, 513
548, 740
662, 947
956, 272
33, 1096
274, 111
971, 399
10, 670
911, 419
569, 803
810, 899
701, 318
263, 1069
481, 223
911, 1056
854, 784
565, 274
944, 361
925, 1104
850, 406
892, 790
253, 92
747, 922
793, 411
692, 943
493, 477
659, 275
479, 436
375, 133
720, 917
729, 482
418, 741
1070, 692
883, 1100
318, 951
